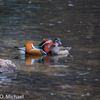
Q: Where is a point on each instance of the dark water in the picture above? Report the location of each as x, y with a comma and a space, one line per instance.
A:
77, 24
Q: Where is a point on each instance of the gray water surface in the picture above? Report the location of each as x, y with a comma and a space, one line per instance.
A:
77, 24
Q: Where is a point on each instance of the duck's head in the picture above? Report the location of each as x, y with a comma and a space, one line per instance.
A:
56, 42
45, 45
44, 42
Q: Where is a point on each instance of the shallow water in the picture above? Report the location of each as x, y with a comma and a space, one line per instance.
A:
73, 77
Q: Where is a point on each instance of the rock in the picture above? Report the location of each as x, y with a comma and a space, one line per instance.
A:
7, 66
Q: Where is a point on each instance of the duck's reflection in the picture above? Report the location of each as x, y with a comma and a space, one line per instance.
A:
31, 60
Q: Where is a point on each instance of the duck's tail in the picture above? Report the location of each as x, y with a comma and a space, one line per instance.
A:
68, 48
21, 49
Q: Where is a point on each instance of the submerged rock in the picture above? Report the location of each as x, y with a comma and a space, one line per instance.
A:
7, 66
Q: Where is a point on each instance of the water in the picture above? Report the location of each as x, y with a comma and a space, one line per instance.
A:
76, 23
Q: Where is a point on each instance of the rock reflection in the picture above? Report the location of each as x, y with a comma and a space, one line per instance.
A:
6, 80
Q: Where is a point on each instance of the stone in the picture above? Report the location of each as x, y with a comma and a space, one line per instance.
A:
7, 66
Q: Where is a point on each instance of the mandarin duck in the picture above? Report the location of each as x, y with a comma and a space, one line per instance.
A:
56, 50
42, 49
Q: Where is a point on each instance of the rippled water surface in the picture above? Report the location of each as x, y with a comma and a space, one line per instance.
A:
73, 77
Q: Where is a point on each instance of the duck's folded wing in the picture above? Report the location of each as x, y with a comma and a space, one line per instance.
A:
65, 48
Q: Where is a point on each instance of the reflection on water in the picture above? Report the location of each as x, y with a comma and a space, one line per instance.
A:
45, 59
76, 23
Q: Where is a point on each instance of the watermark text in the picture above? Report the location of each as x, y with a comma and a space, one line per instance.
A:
11, 96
